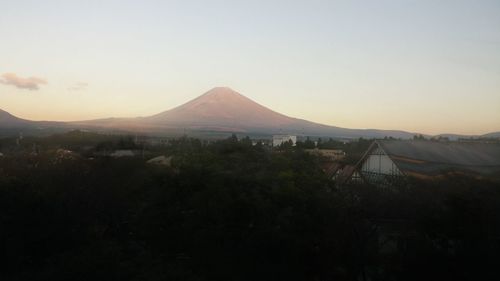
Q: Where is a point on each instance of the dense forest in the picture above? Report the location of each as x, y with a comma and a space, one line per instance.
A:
230, 210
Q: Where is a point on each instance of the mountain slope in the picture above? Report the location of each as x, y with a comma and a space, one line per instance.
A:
222, 107
225, 110
492, 135
12, 125
219, 110
8, 120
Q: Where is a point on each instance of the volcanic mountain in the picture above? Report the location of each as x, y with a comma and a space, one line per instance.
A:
225, 110
220, 110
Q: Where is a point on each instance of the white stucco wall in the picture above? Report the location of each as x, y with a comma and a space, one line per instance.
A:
378, 162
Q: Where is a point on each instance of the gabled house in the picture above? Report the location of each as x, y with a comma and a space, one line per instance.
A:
390, 162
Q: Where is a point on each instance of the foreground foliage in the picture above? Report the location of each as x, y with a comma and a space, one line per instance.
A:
233, 211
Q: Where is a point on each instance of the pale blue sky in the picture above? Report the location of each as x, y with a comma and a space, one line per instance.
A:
426, 66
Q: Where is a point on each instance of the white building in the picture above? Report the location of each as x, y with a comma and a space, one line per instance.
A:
280, 139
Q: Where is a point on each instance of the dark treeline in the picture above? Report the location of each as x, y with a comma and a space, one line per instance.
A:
233, 211
74, 140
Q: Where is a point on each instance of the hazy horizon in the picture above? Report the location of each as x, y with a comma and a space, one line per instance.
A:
418, 66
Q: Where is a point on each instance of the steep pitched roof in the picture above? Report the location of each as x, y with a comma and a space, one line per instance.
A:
330, 168
432, 158
346, 174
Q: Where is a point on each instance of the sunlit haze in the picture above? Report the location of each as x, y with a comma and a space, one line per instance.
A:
420, 66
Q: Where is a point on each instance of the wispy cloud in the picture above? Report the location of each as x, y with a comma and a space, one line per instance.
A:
79, 86
29, 83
